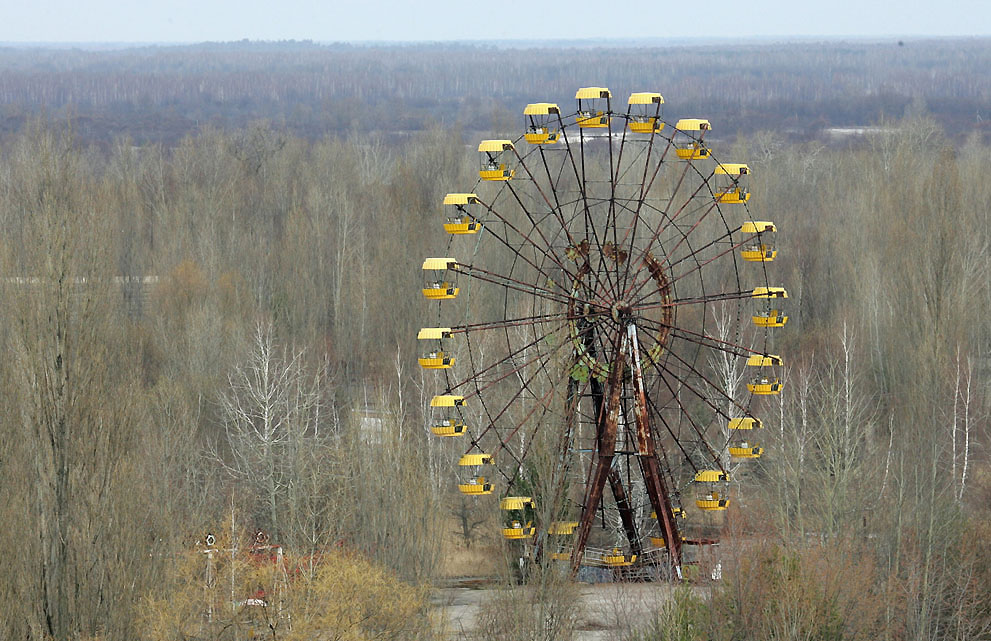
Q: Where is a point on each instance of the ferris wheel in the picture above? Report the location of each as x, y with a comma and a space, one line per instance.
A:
604, 298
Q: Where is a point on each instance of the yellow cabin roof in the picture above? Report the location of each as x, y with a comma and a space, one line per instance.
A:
541, 109
437, 333
440, 263
732, 169
768, 360
460, 199
769, 292
495, 145
692, 124
515, 502
747, 423
645, 98
475, 459
562, 527
446, 400
755, 226
711, 476
586, 93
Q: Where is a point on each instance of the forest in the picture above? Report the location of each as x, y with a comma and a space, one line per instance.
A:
160, 94
211, 265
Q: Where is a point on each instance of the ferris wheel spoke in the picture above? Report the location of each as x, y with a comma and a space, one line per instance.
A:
553, 207
509, 322
706, 340
493, 419
633, 290
478, 375
690, 367
664, 374
695, 300
478, 273
545, 250
556, 206
580, 177
671, 219
676, 437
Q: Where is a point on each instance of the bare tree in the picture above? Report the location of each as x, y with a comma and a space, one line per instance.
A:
271, 415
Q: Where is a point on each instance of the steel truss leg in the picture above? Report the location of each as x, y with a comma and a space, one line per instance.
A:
608, 420
647, 453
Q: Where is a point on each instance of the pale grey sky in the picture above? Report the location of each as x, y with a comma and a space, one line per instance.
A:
363, 20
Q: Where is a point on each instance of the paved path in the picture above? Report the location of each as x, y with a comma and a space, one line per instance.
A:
607, 609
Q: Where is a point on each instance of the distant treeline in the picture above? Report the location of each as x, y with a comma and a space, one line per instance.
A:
160, 94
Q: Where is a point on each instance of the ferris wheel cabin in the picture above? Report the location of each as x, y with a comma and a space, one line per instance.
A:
761, 248
593, 107
471, 481
462, 217
519, 510
495, 157
766, 381
644, 113
438, 357
769, 306
542, 123
714, 486
688, 145
731, 183
439, 276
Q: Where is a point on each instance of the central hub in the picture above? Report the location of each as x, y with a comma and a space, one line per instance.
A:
621, 310
598, 311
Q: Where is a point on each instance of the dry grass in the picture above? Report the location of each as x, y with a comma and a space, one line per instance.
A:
482, 559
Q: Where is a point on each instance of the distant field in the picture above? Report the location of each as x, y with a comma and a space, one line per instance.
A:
160, 94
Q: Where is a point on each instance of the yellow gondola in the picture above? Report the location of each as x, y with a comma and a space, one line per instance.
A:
766, 382
439, 278
761, 249
744, 449
745, 423
593, 107
731, 184
494, 158
436, 358
518, 507
689, 145
658, 541
709, 499
768, 306
448, 427
473, 483
462, 220
560, 556
644, 112
618, 559
542, 123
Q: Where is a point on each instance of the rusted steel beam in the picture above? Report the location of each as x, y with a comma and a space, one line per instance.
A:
647, 451
608, 420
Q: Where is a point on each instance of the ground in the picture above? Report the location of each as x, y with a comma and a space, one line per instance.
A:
607, 609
